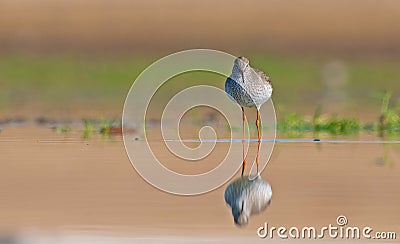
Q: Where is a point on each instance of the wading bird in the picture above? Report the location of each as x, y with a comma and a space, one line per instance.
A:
247, 197
249, 87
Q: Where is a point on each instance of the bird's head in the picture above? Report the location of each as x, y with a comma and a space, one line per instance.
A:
242, 63
240, 215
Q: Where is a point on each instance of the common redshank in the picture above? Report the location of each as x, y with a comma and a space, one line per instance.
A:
249, 87
247, 197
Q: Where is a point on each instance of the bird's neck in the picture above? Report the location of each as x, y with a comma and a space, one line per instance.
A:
237, 74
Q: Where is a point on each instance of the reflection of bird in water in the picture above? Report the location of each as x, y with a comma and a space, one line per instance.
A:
248, 87
247, 197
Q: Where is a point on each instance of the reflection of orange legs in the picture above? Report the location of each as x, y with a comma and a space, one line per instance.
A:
259, 138
243, 133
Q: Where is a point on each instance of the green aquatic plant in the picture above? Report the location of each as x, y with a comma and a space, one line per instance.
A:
294, 125
106, 127
317, 120
62, 129
342, 126
88, 128
389, 119
368, 127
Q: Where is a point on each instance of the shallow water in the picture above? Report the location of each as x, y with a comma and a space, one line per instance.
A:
55, 185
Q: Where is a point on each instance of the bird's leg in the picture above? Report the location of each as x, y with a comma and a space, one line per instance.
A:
243, 134
259, 139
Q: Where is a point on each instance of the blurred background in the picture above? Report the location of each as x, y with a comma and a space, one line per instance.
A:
65, 61
74, 58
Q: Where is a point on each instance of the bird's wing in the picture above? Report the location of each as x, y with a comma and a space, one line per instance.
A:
263, 76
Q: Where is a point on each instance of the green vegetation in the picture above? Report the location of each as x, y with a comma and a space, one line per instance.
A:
88, 128
389, 121
62, 129
110, 127
106, 128
72, 83
53, 82
295, 125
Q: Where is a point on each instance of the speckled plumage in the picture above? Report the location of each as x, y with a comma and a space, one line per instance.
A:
247, 197
247, 86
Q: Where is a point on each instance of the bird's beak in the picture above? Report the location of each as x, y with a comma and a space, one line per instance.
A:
245, 67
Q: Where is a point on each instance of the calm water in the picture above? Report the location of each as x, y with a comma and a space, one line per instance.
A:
60, 188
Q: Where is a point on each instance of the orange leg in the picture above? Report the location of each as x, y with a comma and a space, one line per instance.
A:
259, 138
243, 134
